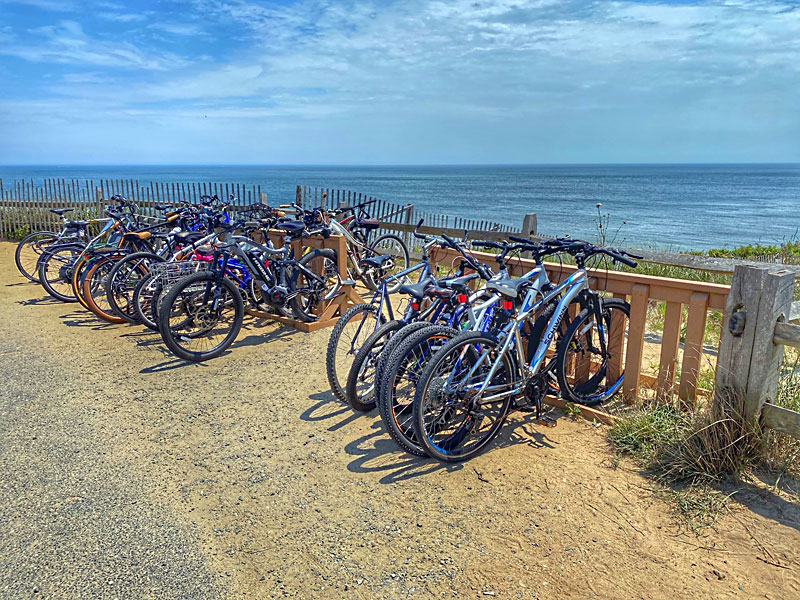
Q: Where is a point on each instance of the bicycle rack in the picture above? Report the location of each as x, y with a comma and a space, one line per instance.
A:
327, 312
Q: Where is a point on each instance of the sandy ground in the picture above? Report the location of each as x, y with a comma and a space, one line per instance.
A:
128, 474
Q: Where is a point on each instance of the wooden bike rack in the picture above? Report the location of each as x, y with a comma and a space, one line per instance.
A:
327, 312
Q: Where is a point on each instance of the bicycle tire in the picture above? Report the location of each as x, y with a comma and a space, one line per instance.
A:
303, 305
469, 343
585, 393
59, 272
119, 284
338, 365
364, 400
171, 337
29, 272
398, 418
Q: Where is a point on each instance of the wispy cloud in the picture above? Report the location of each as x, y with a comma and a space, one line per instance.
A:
52, 5
507, 79
67, 43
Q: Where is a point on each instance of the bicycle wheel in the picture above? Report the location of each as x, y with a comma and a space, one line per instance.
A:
55, 271
308, 293
451, 421
79, 276
28, 251
122, 282
399, 378
200, 317
591, 355
353, 327
142, 297
360, 390
94, 289
390, 346
387, 244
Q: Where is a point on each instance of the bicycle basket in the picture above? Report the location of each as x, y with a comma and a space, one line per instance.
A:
169, 273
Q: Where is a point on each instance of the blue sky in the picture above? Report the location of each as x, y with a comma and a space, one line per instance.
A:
407, 82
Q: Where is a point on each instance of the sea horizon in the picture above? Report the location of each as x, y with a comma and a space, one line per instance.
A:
669, 206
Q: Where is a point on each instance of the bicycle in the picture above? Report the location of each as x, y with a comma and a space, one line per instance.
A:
467, 388
202, 313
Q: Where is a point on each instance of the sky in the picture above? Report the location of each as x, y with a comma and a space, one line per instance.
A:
405, 82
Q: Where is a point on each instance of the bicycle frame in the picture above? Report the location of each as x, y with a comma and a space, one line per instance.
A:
571, 287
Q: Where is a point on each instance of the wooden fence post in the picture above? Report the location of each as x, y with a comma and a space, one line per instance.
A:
99, 196
749, 361
529, 225
262, 197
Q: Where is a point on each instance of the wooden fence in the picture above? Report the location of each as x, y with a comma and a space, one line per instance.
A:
24, 205
698, 297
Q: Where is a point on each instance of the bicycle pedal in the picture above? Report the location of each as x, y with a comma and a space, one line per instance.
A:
546, 421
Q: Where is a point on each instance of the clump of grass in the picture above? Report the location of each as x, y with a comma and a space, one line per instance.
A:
688, 452
643, 432
781, 452
698, 505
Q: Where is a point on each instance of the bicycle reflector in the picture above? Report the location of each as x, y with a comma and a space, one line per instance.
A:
414, 305
462, 298
508, 305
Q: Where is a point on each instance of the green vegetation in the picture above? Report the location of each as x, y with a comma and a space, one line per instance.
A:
788, 252
20, 221
694, 456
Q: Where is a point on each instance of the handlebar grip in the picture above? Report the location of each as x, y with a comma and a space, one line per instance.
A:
626, 261
486, 244
517, 238
417, 234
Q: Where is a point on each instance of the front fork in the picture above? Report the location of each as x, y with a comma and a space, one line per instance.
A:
216, 303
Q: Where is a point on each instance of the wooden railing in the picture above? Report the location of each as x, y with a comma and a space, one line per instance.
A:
639, 290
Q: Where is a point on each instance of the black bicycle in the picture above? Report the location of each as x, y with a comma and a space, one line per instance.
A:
202, 313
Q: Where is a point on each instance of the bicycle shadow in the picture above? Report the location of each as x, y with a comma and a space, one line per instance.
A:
170, 365
280, 333
85, 320
376, 452
328, 406
43, 301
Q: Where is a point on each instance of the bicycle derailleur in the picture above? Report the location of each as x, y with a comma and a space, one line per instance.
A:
531, 400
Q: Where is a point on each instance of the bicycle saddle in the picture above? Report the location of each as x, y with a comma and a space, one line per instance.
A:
376, 261
291, 227
435, 291
60, 211
458, 284
187, 237
136, 235
368, 223
415, 290
508, 287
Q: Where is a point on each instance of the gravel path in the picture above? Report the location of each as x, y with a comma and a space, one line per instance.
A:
128, 474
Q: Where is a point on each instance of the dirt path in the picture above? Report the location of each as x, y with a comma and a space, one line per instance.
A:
129, 474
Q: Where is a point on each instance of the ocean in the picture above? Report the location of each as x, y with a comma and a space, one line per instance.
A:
665, 207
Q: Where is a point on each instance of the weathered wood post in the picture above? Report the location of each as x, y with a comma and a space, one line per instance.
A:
749, 360
262, 197
529, 225
99, 197
409, 217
